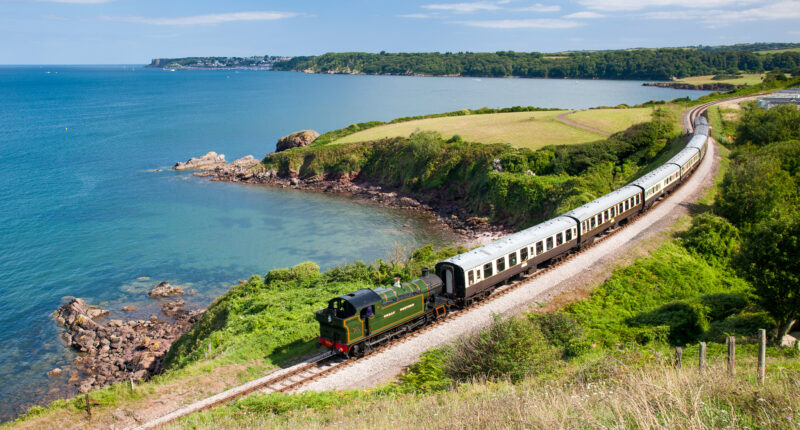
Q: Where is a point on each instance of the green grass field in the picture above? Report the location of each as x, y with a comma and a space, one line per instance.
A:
778, 51
611, 120
746, 79
521, 129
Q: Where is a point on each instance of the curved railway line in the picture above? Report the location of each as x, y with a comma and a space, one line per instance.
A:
290, 378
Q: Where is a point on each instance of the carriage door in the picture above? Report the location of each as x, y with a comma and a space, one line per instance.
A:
448, 280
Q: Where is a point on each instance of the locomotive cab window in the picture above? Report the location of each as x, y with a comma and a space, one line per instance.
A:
523, 254
549, 243
512, 259
487, 269
341, 308
501, 264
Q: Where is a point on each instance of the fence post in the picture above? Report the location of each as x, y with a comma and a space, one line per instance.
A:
132, 384
678, 357
88, 406
702, 361
762, 355
731, 355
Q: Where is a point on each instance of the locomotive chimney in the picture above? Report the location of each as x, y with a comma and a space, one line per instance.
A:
424, 271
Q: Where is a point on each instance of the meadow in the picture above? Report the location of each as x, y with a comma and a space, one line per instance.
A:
744, 79
531, 130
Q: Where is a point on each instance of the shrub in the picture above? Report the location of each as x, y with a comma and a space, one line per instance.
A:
510, 348
686, 321
742, 325
713, 237
562, 331
428, 374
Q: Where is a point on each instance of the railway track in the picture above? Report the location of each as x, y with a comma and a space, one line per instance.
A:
288, 379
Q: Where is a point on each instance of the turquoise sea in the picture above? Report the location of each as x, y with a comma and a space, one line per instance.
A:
83, 213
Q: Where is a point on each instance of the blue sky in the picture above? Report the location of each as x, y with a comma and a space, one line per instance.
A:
134, 31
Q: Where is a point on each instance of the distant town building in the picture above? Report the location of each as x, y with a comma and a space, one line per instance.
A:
790, 95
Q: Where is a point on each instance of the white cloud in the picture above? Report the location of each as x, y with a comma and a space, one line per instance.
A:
538, 7
218, 18
522, 23
463, 7
584, 15
631, 5
769, 12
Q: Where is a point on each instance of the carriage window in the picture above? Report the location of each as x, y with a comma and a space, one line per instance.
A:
569, 235
613, 211
478, 274
532, 252
559, 239
471, 277
523, 254
501, 264
594, 222
512, 259
549, 243
539, 248
487, 269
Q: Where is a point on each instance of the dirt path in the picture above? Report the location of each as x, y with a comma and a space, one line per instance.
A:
583, 271
563, 118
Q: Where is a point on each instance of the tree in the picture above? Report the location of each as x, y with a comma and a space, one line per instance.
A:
770, 259
755, 188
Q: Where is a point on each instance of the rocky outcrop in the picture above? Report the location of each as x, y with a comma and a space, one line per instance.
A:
206, 162
165, 289
246, 162
116, 351
295, 140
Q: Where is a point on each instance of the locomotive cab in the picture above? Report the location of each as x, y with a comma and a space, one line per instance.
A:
343, 322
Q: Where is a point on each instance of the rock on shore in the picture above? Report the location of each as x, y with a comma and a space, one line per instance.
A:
206, 162
295, 140
165, 289
117, 350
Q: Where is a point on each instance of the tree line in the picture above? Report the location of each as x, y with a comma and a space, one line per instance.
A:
655, 64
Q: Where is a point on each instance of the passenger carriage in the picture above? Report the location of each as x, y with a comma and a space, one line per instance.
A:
687, 160
474, 274
604, 213
658, 183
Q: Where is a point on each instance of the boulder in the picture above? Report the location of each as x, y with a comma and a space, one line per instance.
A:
295, 140
164, 289
209, 161
55, 372
246, 162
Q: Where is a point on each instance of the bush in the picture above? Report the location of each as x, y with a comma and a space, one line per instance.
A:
510, 348
686, 321
742, 325
722, 305
563, 332
712, 237
428, 374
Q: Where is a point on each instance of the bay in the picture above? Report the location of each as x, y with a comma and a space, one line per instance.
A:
84, 213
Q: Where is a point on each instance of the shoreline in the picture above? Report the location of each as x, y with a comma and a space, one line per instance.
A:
471, 230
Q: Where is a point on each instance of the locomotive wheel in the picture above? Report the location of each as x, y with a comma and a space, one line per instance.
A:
357, 350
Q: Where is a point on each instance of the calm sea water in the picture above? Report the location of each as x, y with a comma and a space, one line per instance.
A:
82, 213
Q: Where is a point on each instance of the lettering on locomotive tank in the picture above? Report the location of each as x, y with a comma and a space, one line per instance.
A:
388, 315
406, 307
